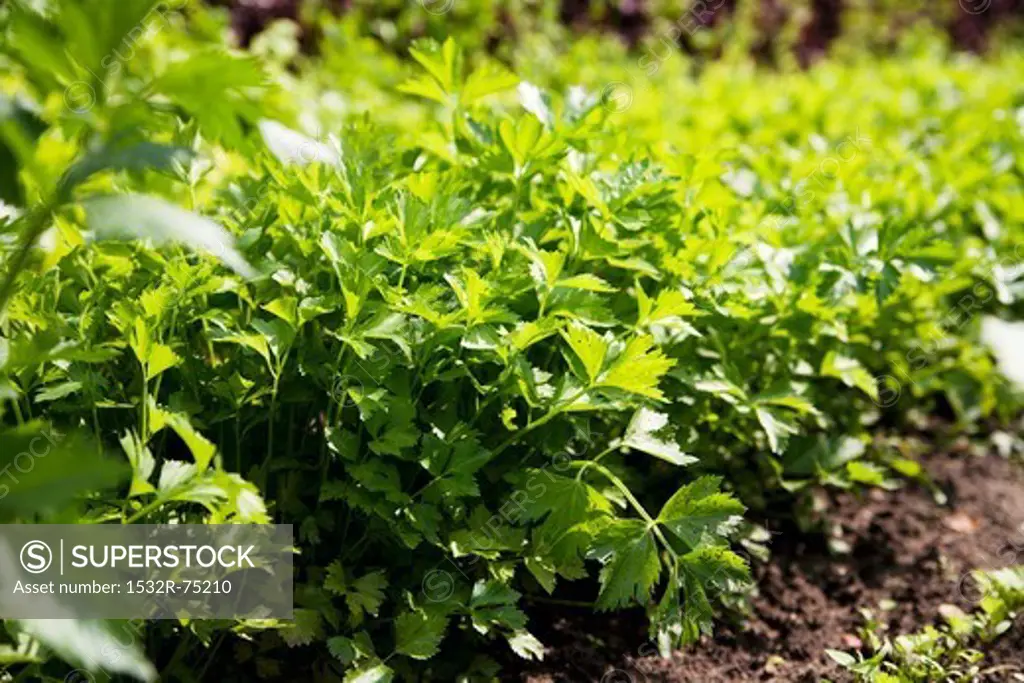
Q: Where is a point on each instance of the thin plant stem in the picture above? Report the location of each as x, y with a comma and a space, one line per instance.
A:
652, 524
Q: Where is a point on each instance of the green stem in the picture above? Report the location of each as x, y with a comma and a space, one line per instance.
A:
273, 413
540, 422
145, 406
96, 428
652, 524
590, 463
15, 403
270, 424
482, 408
183, 647
145, 510
334, 406
238, 441
558, 601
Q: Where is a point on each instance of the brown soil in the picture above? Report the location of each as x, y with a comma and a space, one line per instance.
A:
1005, 659
903, 547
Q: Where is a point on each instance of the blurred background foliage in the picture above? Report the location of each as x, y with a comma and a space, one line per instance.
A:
776, 32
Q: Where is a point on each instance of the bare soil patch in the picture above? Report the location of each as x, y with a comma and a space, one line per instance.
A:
904, 548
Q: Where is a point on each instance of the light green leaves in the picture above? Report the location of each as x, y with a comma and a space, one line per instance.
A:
487, 80
220, 91
669, 306
586, 282
589, 349
775, 428
442, 62
527, 141
201, 448
285, 308
138, 157
77, 40
426, 87
492, 606
639, 369
160, 358
37, 43
370, 673
143, 463
58, 391
154, 357
443, 82
1003, 590
841, 658
175, 477
699, 511
526, 645
850, 372
649, 432
144, 217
